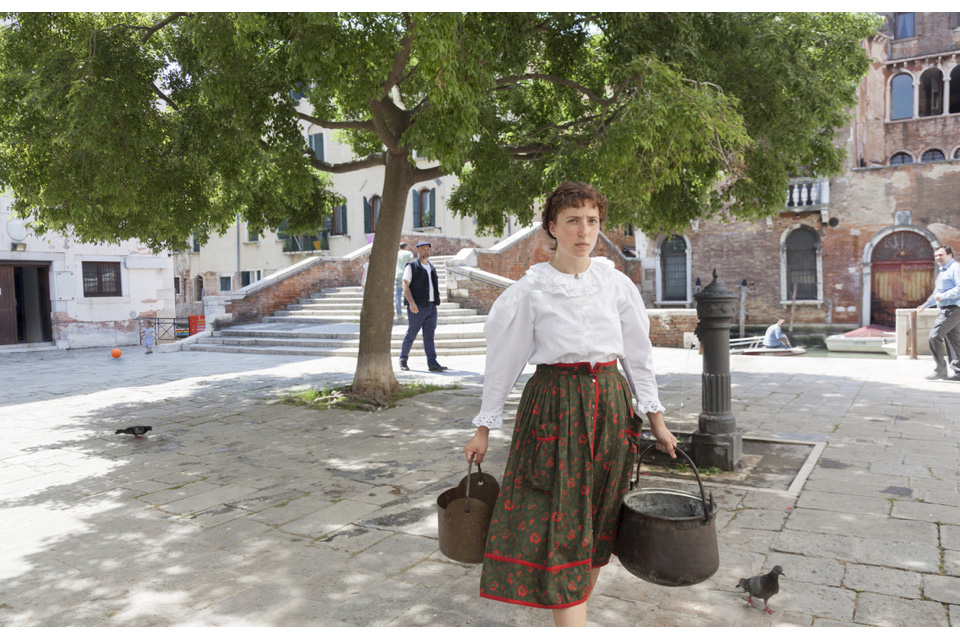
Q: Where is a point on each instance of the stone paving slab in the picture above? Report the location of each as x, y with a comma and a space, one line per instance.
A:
237, 511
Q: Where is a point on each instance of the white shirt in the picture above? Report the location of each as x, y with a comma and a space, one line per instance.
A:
548, 317
408, 276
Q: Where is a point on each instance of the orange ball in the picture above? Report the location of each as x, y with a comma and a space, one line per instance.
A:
116, 353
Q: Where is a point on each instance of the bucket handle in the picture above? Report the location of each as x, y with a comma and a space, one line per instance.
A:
466, 503
703, 494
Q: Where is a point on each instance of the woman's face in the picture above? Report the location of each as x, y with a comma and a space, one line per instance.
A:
576, 231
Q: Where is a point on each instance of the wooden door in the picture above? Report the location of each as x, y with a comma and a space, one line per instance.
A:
8, 306
902, 275
898, 285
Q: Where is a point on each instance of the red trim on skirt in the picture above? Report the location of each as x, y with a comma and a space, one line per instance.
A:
535, 605
534, 564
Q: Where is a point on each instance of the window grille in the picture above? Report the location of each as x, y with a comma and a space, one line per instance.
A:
673, 268
101, 279
802, 264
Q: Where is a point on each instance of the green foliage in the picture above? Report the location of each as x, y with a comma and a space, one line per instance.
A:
115, 126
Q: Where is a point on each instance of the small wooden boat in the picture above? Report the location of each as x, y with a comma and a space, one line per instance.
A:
869, 339
753, 346
774, 351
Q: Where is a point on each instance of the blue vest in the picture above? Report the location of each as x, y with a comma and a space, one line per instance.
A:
420, 284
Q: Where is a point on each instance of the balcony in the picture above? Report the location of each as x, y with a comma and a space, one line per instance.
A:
807, 194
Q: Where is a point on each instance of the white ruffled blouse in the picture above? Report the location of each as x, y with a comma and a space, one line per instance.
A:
549, 317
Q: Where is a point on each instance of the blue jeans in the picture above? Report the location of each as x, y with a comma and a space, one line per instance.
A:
398, 287
426, 319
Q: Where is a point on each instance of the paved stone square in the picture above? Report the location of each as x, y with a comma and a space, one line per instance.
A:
236, 510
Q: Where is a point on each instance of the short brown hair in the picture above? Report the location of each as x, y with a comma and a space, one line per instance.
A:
948, 249
570, 195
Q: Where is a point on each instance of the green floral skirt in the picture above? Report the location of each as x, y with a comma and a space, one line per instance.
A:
569, 466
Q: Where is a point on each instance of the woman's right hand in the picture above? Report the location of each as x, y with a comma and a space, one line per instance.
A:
477, 447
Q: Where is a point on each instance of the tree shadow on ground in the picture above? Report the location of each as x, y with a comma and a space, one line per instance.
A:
235, 511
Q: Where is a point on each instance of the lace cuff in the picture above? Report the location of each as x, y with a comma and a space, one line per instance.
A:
488, 420
649, 406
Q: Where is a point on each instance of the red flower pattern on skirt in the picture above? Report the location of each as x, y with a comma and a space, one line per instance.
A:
557, 514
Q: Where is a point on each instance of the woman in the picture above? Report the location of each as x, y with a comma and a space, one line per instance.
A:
576, 437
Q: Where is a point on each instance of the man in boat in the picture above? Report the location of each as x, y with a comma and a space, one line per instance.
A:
774, 338
945, 335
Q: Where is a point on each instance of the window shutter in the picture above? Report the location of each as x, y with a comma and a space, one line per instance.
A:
433, 208
316, 143
343, 219
416, 208
954, 19
367, 221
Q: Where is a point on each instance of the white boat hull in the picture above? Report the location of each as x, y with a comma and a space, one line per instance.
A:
866, 344
774, 351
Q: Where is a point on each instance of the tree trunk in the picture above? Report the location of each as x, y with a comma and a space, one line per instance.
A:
374, 375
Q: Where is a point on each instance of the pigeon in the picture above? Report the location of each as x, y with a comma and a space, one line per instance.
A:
763, 587
135, 431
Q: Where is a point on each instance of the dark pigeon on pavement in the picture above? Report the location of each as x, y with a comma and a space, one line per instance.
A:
135, 431
763, 587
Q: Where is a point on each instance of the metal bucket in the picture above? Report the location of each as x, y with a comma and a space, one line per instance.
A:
666, 536
463, 516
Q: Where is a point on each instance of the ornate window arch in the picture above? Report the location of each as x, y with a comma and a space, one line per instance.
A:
673, 270
953, 100
901, 157
901, 96
956, 153
930, 98
932, 155
801, 265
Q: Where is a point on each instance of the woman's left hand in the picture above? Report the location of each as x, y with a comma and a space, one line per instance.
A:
666, 441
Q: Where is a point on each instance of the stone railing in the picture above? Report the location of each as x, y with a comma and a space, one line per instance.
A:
807, 193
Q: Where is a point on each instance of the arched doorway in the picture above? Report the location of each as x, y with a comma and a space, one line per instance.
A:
902, 275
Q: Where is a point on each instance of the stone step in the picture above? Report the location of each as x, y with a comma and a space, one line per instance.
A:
354, 310
316, 303
462, 332
440, 342
320, 352
343, 319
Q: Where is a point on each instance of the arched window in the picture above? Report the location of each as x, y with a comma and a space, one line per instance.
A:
955, 90
673, 269
901, 97
198, 288
901, 158
956, 154
931, 93
802, 264
424, 208
932, 155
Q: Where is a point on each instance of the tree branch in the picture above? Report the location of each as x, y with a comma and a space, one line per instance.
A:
509, 81
164, 96
366, 125
430, 173
160, 25
372, 160
400, 61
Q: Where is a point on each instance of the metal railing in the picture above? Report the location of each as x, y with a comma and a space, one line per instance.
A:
167, 329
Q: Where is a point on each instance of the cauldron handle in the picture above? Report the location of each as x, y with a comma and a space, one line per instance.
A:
466, 503
703, 493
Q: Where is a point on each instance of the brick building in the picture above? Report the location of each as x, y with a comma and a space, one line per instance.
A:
847, 251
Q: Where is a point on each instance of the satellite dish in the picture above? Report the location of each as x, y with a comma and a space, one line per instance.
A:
17, 229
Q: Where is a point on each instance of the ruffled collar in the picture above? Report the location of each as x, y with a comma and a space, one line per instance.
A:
594, 279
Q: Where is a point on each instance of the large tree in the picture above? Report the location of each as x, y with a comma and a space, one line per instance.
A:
116, 126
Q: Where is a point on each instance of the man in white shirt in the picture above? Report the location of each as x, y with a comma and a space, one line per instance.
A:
421, 289
774, 338
404, 256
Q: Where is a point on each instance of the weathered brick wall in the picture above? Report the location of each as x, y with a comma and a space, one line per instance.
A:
537, 247
439, 245
323, 273
668, 326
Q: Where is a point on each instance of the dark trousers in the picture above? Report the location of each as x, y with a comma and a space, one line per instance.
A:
945, 340
426, 319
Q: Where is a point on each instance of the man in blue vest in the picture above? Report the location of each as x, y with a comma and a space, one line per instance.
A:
945, 335
421, 290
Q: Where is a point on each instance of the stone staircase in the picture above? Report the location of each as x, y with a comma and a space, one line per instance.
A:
327, 324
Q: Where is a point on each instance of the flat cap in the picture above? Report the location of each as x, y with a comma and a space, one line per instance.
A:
423, 243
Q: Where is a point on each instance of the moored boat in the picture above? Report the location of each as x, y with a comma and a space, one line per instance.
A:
869, 339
